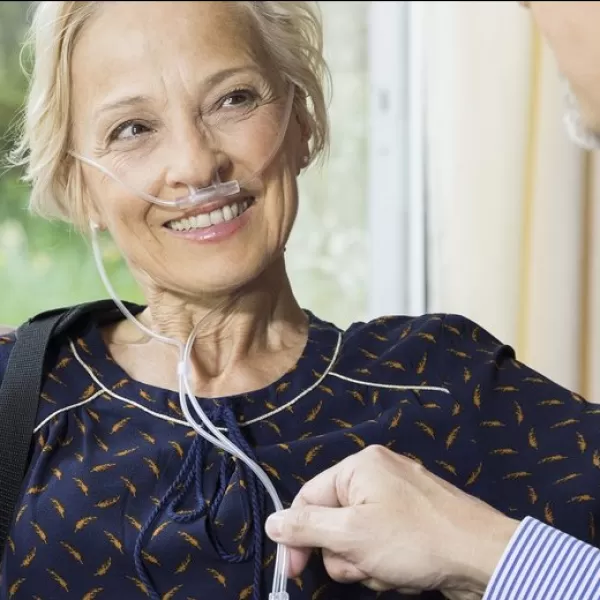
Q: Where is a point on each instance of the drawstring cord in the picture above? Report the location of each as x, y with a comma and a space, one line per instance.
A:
191, 474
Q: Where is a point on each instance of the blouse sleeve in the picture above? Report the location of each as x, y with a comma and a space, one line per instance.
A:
536, 446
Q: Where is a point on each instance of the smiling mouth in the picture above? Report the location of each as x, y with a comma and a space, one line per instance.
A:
217, 216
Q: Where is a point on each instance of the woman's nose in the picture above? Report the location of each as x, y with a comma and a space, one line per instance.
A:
196, 161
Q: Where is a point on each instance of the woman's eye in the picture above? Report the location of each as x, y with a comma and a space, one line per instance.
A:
129, 130
238, 98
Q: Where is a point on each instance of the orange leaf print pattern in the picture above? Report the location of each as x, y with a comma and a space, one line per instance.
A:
396, 419
422, 365
103, 568
183, 566
312, 415
79, 525
171, 593
14, 588
452, 437
115, 542
153, 467
311, 454
271, 471
29, 558
58, 579
356, 439
425, 428
436, 389
477, 396
474, 476
218, 577
190, 539
72, 552
119, 425
20, 513
39, 532
139, 585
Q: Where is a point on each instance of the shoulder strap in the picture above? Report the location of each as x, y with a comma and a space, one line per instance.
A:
20, 392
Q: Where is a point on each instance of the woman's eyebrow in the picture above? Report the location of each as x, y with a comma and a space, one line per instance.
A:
137, 99
125, 102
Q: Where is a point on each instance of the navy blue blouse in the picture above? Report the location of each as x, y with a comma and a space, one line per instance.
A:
124, 500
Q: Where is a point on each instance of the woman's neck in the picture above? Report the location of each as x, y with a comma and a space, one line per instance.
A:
243, 342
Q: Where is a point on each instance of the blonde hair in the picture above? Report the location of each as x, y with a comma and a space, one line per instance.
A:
291, 34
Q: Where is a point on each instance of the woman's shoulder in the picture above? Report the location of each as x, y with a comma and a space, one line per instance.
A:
421, 348
7, 342
429, 329
397, 328
66, 379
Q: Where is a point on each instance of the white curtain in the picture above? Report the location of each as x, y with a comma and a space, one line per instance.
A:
327, 254
513, 205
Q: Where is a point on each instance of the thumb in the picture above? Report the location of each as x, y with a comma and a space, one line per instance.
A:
311, 527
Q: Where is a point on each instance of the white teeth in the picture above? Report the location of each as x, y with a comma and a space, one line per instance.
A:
227, 213
216, 216
220, 215
199, 221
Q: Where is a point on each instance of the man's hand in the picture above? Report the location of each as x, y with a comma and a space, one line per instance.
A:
383, 520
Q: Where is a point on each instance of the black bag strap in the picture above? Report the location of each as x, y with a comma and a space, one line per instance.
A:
20, 392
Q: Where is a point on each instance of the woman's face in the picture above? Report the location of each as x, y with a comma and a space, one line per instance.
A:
165, 96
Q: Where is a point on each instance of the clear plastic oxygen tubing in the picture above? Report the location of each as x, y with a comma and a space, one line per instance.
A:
215, 437
217, 188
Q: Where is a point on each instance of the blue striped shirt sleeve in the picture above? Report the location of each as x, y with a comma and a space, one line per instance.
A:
543, 563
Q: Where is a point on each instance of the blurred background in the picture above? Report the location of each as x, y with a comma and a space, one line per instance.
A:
451, 186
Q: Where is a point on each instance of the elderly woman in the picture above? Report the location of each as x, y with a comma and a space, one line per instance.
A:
180, 129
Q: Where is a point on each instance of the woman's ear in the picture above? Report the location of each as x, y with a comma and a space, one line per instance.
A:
84, 210
303, 160
304, 148
305, 131
92, 213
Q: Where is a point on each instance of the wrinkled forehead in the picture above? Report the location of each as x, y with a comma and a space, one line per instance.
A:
160, 44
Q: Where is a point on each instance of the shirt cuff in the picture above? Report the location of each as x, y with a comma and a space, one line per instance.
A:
578, 132
543, 563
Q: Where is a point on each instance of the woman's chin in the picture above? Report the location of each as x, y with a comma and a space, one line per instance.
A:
218, 278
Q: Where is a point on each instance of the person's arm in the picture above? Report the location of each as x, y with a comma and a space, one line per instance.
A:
579, 132
571, 31
543, 563
520, 450
535, 439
